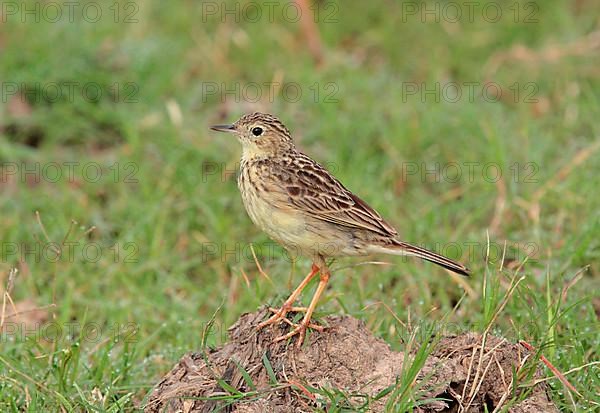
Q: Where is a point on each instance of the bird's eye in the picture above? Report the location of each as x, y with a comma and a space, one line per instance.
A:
257, 131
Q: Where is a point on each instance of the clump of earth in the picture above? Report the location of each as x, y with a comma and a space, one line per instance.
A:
346, 356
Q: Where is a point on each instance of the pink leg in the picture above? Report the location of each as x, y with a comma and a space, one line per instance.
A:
288, 304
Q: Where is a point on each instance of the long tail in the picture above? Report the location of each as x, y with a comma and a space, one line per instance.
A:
402, 248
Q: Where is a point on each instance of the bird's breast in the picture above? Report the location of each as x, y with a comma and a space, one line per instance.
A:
268, 207
266, 204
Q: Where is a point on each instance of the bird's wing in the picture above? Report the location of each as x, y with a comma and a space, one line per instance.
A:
313, 190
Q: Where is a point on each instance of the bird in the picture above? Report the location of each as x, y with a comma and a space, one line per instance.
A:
303, 207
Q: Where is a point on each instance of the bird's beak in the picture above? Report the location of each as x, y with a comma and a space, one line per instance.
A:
223, 128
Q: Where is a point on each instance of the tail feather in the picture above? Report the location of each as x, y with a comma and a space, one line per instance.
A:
403, 248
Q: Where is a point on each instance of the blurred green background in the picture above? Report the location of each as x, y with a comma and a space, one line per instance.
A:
120, 210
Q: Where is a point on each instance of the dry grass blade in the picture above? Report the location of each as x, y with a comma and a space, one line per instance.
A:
573, 370
552, 368
500, 206
311, 31
10, 283
477, 381
246, 279
389, 310
258, 266
461, 407
464, 283
572, 282
533, 205
509, 387
579, 158
303, 389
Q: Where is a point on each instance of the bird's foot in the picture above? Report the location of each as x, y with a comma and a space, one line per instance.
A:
300, 330
279, 316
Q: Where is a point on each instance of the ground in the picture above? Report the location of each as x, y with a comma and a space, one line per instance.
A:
346, 367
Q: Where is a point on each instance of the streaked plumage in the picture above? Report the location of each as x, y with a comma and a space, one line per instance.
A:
302, 206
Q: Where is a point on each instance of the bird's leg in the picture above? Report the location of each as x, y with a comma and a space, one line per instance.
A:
288, 304
305, 323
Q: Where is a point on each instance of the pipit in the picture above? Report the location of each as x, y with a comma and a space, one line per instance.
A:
299, 204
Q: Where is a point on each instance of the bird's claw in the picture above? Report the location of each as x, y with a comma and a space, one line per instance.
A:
279, 315
300, 330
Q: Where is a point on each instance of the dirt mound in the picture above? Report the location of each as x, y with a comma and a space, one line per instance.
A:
346, 356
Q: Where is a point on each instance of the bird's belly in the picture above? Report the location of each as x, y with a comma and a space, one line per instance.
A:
299, 234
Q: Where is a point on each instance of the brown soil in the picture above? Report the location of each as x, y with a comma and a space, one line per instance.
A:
346, 356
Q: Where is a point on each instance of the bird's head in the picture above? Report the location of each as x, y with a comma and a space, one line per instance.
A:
261, 135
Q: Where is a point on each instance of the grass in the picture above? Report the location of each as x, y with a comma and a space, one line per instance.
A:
157, 241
